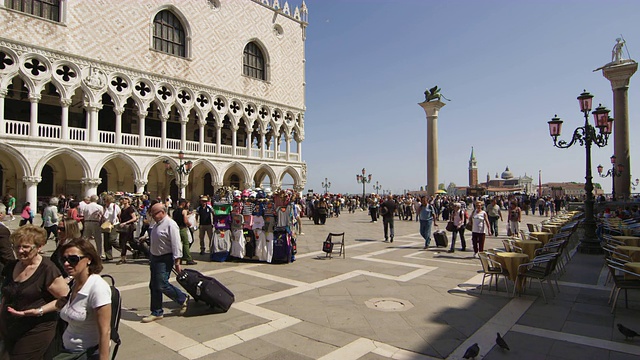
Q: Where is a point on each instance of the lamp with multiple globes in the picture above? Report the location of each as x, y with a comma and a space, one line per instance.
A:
586, 136
377, 187
182, 169
326, 185
615, 171
363, 179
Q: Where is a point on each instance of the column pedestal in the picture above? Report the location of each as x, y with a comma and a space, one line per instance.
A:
431, 109
619, 74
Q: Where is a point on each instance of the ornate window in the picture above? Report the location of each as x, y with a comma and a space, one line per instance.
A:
168, 34
253, 62
46, 9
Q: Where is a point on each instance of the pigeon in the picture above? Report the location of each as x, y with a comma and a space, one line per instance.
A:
628, 333
472, 351
500, 342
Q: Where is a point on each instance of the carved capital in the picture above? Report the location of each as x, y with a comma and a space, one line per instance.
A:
91, 106
217, 184
142, 115
248, 185
65, 102
119, 110
619, 75
35, 98
202, 123
31, 180
164, 117
3, 92
140, 183
91, 182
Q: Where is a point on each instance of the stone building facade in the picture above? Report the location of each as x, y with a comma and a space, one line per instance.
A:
107, 95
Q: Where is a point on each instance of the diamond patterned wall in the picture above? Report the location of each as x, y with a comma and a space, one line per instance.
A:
119, 31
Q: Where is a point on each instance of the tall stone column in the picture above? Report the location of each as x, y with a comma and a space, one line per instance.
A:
432, 108
90, 185
619, 73
31, 183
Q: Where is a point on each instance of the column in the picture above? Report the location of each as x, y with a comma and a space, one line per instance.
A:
163, 131
276, 147
288, 140
140, 184
33, 119
31, 183
3, 93
263, 134
183, 132
431, 109
64, 119
118, 112
619, 74
201, 125
299, 147
92, 110
248, 142
90, 185
141, 141
218, 139
182, 182
234, 139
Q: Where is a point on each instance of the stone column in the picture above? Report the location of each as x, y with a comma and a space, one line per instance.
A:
263, 143
201, 125
218, 139
118, 112
31, 183
64, 119
90, 185
163, 131
234, 139
33, 116
142, 142
3, 93
432, 108
183, 133
92, 111
140, 184
619, 74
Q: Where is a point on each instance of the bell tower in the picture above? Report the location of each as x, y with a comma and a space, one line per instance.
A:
473, 170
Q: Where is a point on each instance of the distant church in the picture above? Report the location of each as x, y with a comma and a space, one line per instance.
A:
507, 183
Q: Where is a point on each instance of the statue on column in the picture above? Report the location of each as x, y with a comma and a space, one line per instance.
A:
433, 94
616, 53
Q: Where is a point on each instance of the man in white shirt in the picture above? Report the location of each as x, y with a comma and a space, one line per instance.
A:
92, 213
166, 252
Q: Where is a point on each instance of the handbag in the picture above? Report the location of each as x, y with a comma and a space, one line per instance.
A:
469, 226
327, 246
124, 228
106, 227
450, 226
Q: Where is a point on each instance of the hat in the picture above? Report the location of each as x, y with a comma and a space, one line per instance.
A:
204, 198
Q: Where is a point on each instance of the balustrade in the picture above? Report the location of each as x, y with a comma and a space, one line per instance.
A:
130, 140
49, 131
173, 144
152, 142
241, 151
226, 149
107, 137
77, 134
193, 146
13, 127
210, 148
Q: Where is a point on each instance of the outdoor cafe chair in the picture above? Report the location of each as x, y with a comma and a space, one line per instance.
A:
492, 268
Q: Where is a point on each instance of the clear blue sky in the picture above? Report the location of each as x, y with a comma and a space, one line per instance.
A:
507, 66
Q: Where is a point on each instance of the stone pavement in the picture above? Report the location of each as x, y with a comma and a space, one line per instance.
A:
384, 301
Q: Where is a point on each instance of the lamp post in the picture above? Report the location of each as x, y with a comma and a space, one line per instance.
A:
326, 185
586, 136
362, 179
183, 169
377, 188
615, 171
635, 183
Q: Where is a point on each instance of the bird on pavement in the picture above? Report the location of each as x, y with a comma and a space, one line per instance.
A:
628, 333
472, 351
500, 342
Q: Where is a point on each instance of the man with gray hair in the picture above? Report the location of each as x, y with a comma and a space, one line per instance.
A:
92, 213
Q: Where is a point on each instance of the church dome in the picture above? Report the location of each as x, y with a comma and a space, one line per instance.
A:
506, 174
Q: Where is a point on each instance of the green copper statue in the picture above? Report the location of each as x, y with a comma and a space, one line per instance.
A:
433, 94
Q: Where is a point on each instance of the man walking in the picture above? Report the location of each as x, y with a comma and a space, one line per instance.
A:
387, 210
495, 214
92, 213
166, 252
11, 206
426, 220
204, 214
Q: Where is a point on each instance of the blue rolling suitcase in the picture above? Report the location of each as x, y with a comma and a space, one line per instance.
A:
281, 247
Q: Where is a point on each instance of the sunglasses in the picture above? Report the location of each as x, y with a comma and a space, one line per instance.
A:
73, 260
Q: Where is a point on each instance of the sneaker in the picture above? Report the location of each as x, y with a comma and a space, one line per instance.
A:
151, 318
385, 240
392, 239
425, 248
184, 306
191, 262
451, 251
202, 252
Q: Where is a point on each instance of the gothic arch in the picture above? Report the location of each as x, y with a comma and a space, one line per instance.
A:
126, 158
209, 166
86, 169
17, 157
292, 172
153, 162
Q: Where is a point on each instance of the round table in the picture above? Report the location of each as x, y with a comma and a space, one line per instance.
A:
529, 247
633, 267
510, 262
552, 228
632, 251
541, 236
628, 240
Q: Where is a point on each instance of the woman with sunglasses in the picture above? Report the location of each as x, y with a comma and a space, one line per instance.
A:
29, 293
88, 308
68, 229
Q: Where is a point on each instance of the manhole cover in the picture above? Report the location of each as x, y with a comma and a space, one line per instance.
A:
388, 304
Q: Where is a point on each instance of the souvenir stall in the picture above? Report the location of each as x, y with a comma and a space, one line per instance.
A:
251, 226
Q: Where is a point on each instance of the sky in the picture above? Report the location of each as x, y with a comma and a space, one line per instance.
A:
508, 66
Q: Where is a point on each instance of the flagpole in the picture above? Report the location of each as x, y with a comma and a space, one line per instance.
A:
539, 183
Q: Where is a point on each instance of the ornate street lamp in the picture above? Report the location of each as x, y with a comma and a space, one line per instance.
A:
377, 188
326, 185
183, 169
362, 179
635, 183
615, 171
585, 136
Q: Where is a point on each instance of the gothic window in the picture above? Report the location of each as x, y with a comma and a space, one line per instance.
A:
168, 34
46, 9
253, 62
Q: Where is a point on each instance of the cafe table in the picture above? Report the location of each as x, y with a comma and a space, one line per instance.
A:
541, 236
529, 246
632, 251
510, 262
633, 267
628, 240
551, 228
